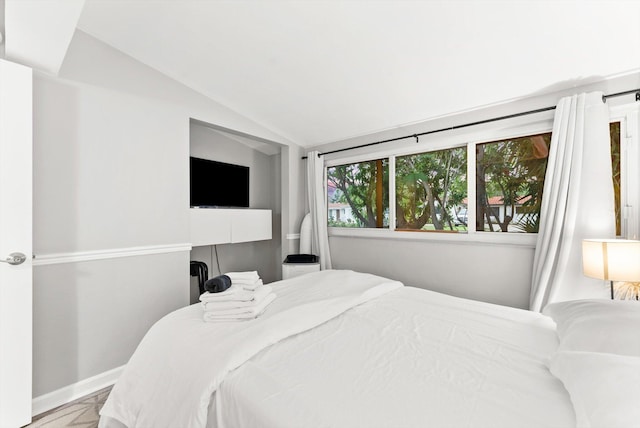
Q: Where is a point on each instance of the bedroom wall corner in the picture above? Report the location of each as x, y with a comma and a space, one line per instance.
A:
111, 208
492, 272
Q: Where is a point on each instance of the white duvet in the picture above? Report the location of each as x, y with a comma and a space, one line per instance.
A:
412, 358
182, 360
349, 350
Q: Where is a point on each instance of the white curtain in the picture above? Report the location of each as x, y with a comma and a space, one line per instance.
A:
316, 193
577, 201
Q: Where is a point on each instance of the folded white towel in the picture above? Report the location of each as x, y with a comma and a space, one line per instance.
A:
251, 286
252, 309
243, 276
218, 304
239, 314
246, 281
235, 292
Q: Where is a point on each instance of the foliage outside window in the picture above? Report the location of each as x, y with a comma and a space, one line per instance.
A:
614, 133
358, 194
430, 189
509, 182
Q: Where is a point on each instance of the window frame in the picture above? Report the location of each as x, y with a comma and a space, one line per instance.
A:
628, 114
629, 117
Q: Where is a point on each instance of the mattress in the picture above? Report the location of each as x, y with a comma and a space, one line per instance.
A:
343, 349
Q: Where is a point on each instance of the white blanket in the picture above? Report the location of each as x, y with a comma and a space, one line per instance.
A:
411, 359
182, 360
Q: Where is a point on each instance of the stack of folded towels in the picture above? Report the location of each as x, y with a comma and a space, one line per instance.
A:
235, 296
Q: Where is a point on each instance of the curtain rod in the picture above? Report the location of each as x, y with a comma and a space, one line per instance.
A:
465, 125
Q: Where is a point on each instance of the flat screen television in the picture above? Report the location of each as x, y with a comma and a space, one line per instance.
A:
218, 184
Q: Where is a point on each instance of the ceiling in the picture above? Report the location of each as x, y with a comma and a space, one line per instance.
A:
322, 71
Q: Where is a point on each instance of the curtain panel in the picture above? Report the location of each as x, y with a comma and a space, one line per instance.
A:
577, 201
316, 193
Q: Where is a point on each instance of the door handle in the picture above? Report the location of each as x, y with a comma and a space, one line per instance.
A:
14, 259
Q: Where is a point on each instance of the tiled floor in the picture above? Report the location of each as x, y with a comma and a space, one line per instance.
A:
82, 413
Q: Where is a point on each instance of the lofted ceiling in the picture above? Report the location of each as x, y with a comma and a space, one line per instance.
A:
322, 71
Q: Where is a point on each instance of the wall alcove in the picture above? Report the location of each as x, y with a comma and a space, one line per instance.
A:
236, 239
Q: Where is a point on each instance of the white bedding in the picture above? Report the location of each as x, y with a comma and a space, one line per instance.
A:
412, 358
172, 376
379, 355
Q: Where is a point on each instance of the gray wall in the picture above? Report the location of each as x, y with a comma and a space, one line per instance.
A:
101, 184
111, 173
88, 317
264, 193
493, 273
107, 170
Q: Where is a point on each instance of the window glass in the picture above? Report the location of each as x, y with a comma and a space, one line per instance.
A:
614, 133
358, 194
509, 183
430, 190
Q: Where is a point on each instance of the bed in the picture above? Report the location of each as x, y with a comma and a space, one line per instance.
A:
347, 349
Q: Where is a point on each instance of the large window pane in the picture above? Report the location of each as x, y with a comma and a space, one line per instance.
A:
358, 194
430, 189
509, 183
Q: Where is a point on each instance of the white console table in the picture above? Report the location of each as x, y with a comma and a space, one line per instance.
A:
212, 226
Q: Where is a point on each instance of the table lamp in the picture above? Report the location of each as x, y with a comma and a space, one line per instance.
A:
612, 260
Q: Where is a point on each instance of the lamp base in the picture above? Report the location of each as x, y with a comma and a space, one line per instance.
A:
625, 290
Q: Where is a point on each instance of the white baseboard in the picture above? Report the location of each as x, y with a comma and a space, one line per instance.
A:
72, 392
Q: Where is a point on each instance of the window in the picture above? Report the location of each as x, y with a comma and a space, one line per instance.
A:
430, 189
509, 183
614, 133
358, 194
439, 191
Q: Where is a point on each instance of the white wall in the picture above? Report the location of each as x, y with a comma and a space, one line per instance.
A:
293, 183
264, 193
498, 273
111, 178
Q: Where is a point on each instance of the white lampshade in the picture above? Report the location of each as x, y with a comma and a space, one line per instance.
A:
611, 259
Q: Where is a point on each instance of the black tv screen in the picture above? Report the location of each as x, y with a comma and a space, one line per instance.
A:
218, 184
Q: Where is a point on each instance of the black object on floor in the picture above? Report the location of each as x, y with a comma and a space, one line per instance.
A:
200, 270
217, 284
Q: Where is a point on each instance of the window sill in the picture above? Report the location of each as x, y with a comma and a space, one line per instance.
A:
475, 238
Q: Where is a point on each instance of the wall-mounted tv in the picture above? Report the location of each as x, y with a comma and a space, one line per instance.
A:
218, 184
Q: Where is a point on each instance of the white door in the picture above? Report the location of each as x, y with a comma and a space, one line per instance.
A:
15, 240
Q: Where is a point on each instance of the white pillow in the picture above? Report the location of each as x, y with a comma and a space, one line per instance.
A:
604, 388
598, 325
